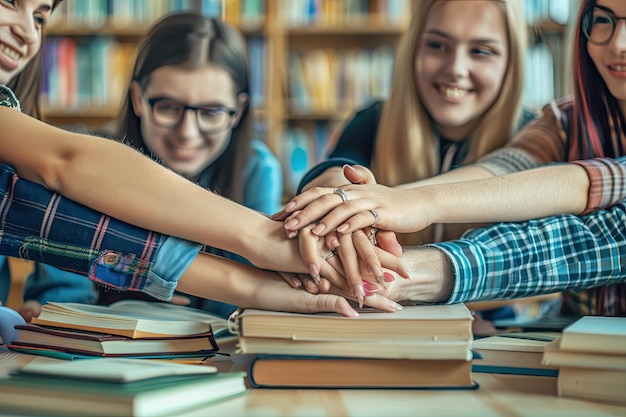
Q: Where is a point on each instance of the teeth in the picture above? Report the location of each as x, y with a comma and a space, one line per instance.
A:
455, 93
9, 52
620, 68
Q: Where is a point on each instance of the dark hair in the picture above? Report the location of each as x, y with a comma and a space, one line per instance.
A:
27, 83
597, 119
193, 40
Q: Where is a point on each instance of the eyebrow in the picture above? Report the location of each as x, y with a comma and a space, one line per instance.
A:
477, 40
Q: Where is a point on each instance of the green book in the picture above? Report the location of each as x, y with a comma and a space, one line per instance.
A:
131, 387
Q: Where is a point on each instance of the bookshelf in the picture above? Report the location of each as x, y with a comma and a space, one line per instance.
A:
313, 62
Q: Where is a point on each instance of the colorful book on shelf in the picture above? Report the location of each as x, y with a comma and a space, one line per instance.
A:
596, 334
514, 353
115, 387
412, 323
102, 344
283, 371
132, 318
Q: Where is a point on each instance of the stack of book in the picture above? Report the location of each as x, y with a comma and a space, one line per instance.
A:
425, 346
114, 387
518, 353
125, 328
591, 356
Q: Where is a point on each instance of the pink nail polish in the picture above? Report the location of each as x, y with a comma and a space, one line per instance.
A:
389, 277
370, 287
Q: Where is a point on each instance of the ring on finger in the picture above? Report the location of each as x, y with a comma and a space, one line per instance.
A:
372, 235
331, 254
341, 193
375, 214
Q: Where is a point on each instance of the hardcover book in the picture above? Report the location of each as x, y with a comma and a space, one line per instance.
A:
115, 387
91, 343
282, 371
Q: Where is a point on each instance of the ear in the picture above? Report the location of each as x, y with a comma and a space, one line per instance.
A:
135, 98
242, 102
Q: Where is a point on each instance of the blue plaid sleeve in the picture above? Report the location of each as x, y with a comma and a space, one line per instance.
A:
512, 260
43, 226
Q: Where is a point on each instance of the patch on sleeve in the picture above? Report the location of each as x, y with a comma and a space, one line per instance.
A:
120, 271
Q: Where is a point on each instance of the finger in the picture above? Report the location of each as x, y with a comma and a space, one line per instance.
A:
327, 207
388, 241
292, 279
366, 253
358, 174
333, 303
333, 271
382, 303
332, 240
349, 259
305, 198
180, 300
309, 252
392, 262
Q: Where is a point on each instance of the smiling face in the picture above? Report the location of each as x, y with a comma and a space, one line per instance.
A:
460, 63
610, 59
184, 148
21, 24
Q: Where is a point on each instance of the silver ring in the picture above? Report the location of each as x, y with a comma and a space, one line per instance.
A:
341, 193
372, 236
375, 214
331, 254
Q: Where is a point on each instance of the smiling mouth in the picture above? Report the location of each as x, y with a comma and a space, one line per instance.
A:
618, 68
453, 93
11, 53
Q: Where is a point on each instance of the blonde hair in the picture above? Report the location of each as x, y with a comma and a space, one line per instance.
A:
407, 148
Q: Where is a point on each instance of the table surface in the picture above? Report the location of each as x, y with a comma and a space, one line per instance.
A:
498, 395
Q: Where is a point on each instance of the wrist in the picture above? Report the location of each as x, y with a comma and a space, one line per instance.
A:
431, 275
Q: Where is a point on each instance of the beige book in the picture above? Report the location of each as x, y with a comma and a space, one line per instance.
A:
554, 356
596, 384
596, 334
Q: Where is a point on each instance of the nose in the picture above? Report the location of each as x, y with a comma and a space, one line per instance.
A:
188, 127
26, 29
459, 64
618, 44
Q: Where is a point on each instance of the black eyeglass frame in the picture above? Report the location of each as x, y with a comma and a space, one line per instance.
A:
587, 23
152, 101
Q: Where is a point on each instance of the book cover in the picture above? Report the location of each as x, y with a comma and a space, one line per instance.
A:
554, 356
596, 334
79, 341
131, 318
283, 371
422, 322
92, 385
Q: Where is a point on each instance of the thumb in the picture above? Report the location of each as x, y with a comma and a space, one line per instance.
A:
358, 174
388, 241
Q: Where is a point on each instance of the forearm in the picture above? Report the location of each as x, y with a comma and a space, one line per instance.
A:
462, 174
513, 260
112, 178
431, 276
541, 192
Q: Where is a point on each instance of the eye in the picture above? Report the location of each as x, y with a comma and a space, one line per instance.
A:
212, 112
601, 20
436, 45
482, 52
40, 20
167, 106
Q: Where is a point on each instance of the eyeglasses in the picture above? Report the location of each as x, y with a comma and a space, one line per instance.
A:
599, 25
167, 112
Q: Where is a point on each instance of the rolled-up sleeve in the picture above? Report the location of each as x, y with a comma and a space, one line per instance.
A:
39, 225
553, 254
607, 182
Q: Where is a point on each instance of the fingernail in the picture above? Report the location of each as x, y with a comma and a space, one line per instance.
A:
389, 277
350, 167
334, 244
291, 235
318, 229
315, 273
360, 299
371, 287
395, 306
359, 292
291, 224
296, 282
290, 206
342, 228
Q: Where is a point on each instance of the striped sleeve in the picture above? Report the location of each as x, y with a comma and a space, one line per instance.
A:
607, 182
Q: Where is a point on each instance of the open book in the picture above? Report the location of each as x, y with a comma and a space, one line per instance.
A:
131, 318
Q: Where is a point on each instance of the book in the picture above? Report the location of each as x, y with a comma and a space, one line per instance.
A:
115, 387
91, 343
283, 371
605, 385
553, 355
131, 318
596, 334
514, 353
416, 323
389, 349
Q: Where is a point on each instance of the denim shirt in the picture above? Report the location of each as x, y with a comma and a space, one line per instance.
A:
40, 225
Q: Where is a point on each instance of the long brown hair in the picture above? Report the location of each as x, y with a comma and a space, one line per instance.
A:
27, 83
193, 40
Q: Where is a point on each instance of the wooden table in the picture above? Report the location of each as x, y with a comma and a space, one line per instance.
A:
498, 395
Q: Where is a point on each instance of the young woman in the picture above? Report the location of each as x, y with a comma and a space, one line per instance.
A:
564, 252
49, 177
